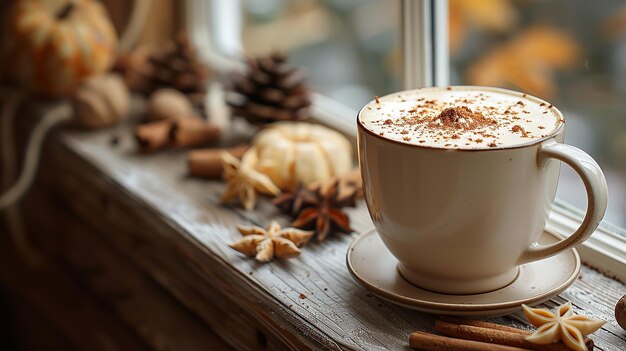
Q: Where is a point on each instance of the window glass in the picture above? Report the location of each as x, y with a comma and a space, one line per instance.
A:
349, 47
569, 52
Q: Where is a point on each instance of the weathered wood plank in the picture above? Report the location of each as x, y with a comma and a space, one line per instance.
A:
227, 307
24, 321
82, 320
179, 215
290, 292
147, 309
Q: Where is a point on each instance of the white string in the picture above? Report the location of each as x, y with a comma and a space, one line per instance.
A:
8, 200
8, 157
61, 113
13, 217
57, 115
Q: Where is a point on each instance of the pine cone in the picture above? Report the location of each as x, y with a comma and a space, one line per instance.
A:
270, 91
175, 65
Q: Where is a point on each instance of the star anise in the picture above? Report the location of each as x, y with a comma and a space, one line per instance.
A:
294, 201
348, 184
244, 181
265, 244
324, 213
563, 325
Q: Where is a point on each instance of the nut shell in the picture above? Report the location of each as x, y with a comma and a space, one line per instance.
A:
168, 104
100, 101
620, 312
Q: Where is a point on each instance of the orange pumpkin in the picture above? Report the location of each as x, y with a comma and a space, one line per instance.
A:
53, 45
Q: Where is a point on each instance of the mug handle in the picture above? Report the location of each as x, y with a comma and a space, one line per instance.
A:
597, 194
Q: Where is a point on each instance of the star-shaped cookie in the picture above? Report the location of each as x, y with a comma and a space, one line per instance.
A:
562, 325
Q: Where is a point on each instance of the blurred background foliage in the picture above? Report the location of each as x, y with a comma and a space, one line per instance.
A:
570, 52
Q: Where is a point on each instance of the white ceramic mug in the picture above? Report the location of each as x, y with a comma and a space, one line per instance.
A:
463, 221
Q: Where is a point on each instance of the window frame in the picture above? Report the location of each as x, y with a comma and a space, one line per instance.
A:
605, 250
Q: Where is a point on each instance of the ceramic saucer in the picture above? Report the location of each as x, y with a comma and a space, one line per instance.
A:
374, 267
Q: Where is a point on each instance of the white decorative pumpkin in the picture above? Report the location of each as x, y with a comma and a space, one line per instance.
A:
292, 153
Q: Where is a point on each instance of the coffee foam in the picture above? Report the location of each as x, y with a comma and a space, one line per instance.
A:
473, 119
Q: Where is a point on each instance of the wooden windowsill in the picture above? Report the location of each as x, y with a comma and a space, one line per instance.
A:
168, 229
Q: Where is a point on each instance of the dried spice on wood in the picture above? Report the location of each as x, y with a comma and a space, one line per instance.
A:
293, 202
243, 181
325, 214
265, 244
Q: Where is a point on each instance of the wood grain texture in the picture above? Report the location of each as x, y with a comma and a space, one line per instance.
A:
115, 277
171, 226
27, 320
82, 321
144, 308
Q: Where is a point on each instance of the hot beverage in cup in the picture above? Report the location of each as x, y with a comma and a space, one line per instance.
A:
460, 181
460, 119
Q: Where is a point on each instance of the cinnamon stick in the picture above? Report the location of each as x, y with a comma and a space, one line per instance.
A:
433, 342
183, 132
153, 136
484, 324
208, 162
193, 131
489, 325
499, 335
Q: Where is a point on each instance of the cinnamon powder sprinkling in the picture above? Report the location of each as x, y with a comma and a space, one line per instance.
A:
377, 100
461, 117
519, 129
428, 120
